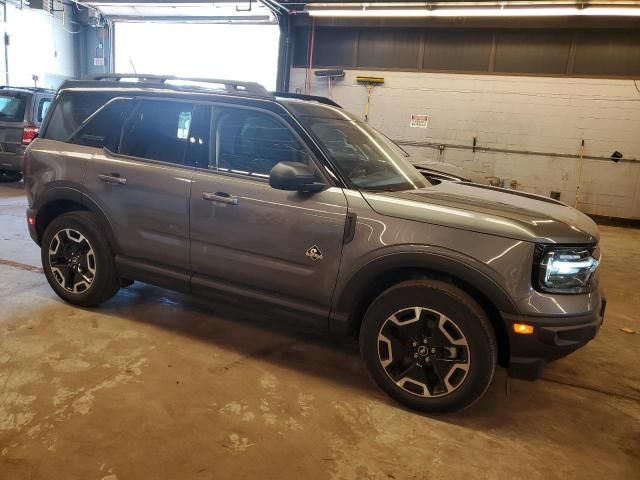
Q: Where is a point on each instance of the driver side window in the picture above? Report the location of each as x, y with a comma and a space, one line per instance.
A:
251, 143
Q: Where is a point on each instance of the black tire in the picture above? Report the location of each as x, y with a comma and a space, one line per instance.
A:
464, 322
7, 176
105, 282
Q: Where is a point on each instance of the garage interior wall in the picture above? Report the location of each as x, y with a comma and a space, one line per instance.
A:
523, 112
38, 44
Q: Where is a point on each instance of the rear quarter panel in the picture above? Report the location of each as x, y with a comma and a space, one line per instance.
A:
55, 169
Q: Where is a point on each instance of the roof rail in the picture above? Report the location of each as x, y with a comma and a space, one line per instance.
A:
302, 96
231, 86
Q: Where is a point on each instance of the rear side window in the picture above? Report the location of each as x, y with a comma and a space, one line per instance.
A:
251, 143
71, 110
12, 106
198, 143
43, 108
104, 127
157, 130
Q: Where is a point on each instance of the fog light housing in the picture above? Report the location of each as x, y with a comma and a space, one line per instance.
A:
523, 329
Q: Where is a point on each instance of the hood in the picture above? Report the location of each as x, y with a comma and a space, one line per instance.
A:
492, 210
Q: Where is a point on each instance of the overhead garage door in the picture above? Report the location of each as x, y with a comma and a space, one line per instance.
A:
239, 52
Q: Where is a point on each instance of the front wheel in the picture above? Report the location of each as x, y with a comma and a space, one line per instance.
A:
429, 346
78, 261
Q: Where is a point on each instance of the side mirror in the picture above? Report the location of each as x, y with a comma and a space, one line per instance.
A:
294, 176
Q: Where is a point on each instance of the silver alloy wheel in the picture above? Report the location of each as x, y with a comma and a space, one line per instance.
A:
423, 352
72, 260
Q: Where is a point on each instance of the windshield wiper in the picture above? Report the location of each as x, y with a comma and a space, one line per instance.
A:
377, 190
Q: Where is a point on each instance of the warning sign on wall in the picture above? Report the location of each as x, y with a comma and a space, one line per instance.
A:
419, 121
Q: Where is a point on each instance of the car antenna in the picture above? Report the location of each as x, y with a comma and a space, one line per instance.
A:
132, 65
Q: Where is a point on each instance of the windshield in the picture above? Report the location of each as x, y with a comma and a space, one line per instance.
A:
365, 156
12, 107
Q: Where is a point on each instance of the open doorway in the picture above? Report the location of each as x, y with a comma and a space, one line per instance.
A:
238, 52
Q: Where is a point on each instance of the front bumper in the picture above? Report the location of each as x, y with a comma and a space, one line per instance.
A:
12, 161
553, 338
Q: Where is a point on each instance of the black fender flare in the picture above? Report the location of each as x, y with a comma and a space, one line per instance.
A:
471, 271
74, 194
58, 192
53, 193
104, 221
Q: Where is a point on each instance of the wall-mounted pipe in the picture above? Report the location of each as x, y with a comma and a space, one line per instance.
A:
440, 146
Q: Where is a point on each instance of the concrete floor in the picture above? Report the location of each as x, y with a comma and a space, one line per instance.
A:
157, 385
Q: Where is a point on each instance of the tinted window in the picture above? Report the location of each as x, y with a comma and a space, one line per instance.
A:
251, 143
12, 107
103, 129
43, 108
393, 48
458, 50
533, 51
157, 130
334, 46
198, 144
609, 52
71, 110
365, 156
301, 46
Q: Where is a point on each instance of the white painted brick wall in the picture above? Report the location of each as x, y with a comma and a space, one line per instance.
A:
513, 112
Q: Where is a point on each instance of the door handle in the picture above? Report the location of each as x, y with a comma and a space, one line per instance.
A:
113, 178
221, 197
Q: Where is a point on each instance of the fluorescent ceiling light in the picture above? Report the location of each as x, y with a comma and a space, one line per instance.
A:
478, 12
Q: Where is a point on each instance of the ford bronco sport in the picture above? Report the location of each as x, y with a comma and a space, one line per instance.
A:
22, 110
295, 206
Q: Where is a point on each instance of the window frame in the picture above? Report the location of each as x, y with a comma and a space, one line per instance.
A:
210, 106
321, 164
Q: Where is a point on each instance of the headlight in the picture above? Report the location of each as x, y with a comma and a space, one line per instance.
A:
565, 269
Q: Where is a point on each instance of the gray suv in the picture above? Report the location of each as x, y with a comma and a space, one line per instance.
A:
22, 110
296, 207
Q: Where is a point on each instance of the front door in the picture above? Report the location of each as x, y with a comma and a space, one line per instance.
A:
254, 241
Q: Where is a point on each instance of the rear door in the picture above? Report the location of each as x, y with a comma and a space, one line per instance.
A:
253, 241
139, 181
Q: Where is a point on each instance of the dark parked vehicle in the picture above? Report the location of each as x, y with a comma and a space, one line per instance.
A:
296, 207
22, 110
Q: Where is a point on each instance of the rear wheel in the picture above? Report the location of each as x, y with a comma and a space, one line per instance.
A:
429, 346
78, 261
